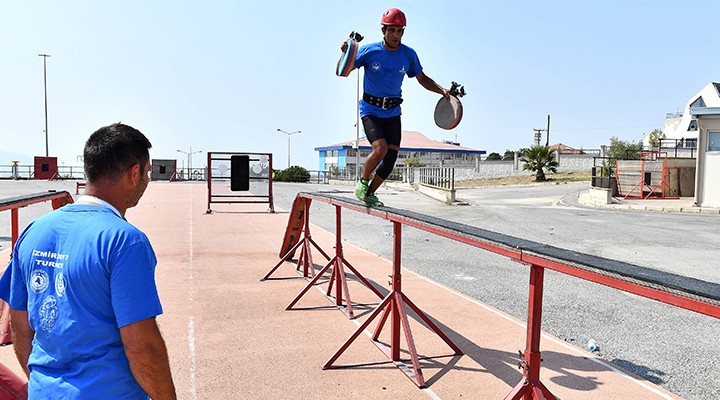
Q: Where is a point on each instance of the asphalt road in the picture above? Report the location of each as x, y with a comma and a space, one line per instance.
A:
671, 347
668, 346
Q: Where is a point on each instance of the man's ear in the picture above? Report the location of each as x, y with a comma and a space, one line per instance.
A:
134, 172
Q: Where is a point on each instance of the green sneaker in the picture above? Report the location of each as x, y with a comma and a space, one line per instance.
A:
372, 200
361, 189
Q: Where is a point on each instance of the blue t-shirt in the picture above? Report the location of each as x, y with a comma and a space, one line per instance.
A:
384, 74
81, 272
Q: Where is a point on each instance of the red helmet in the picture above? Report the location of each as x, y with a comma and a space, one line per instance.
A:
393, 16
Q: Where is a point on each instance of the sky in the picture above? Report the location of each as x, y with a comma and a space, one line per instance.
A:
225, 75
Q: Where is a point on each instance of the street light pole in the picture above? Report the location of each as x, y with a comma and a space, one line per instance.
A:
45, 56
289, 134
189, 156
357, 128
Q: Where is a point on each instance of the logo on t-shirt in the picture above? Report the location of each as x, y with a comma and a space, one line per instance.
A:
60, 284
376, 66
49, 313
39, 281
402, 70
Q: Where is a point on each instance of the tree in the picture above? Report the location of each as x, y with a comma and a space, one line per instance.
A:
413, 162
509, 155
656, 137
493, 157
539, 159
624, 150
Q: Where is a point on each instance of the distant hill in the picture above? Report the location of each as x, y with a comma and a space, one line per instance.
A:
6, 158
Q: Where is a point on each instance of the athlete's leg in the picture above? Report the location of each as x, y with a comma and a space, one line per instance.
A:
392, 130
374, 131
378, 179
379, 149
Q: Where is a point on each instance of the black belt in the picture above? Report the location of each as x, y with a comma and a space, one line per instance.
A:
382, 102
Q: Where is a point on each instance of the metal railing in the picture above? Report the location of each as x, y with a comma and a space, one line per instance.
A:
677, 148
187, 174
588, 152
27, 171
439, 177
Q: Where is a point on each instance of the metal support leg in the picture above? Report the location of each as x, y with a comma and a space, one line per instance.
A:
393, 305
530, 388
338, 277
305, 259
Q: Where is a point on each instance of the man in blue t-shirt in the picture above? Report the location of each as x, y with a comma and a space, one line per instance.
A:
386, 63
81, 286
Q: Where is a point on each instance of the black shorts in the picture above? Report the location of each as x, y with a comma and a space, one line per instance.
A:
383, 128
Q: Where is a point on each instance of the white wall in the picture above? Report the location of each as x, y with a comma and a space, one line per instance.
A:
500, 169
707, 193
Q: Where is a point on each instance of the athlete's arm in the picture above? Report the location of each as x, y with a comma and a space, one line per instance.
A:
147, 355
431, 85
23, 335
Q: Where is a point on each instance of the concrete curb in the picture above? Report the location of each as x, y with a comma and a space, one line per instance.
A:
682, 205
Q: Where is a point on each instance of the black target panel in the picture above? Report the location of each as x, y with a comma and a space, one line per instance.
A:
240, 173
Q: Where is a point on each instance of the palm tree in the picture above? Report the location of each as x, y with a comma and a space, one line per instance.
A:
539, 159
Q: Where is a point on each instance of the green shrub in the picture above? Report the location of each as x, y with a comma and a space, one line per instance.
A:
293, 174
493, 157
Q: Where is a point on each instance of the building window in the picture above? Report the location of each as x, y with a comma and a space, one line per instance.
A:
699, 102
713, 141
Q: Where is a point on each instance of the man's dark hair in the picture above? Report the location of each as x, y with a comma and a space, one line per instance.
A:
112, 149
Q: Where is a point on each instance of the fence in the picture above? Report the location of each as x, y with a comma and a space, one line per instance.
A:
28, 172
677, 148
438, 177
190, 174
602, 174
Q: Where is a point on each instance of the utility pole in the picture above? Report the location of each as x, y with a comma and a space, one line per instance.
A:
45, 56
538, 135
357, 128
547, 132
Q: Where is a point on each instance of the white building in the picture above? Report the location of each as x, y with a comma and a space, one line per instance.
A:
707, 179
683, 126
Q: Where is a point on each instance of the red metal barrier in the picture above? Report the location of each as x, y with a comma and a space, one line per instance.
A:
300, 213
338, 277
393, 306
684, 292
58, 200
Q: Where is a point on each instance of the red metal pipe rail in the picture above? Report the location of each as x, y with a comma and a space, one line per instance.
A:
684, 292
13, 204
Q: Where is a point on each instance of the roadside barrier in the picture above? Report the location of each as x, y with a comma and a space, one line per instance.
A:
681, 291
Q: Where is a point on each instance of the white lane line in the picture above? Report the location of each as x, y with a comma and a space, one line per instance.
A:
191, 320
